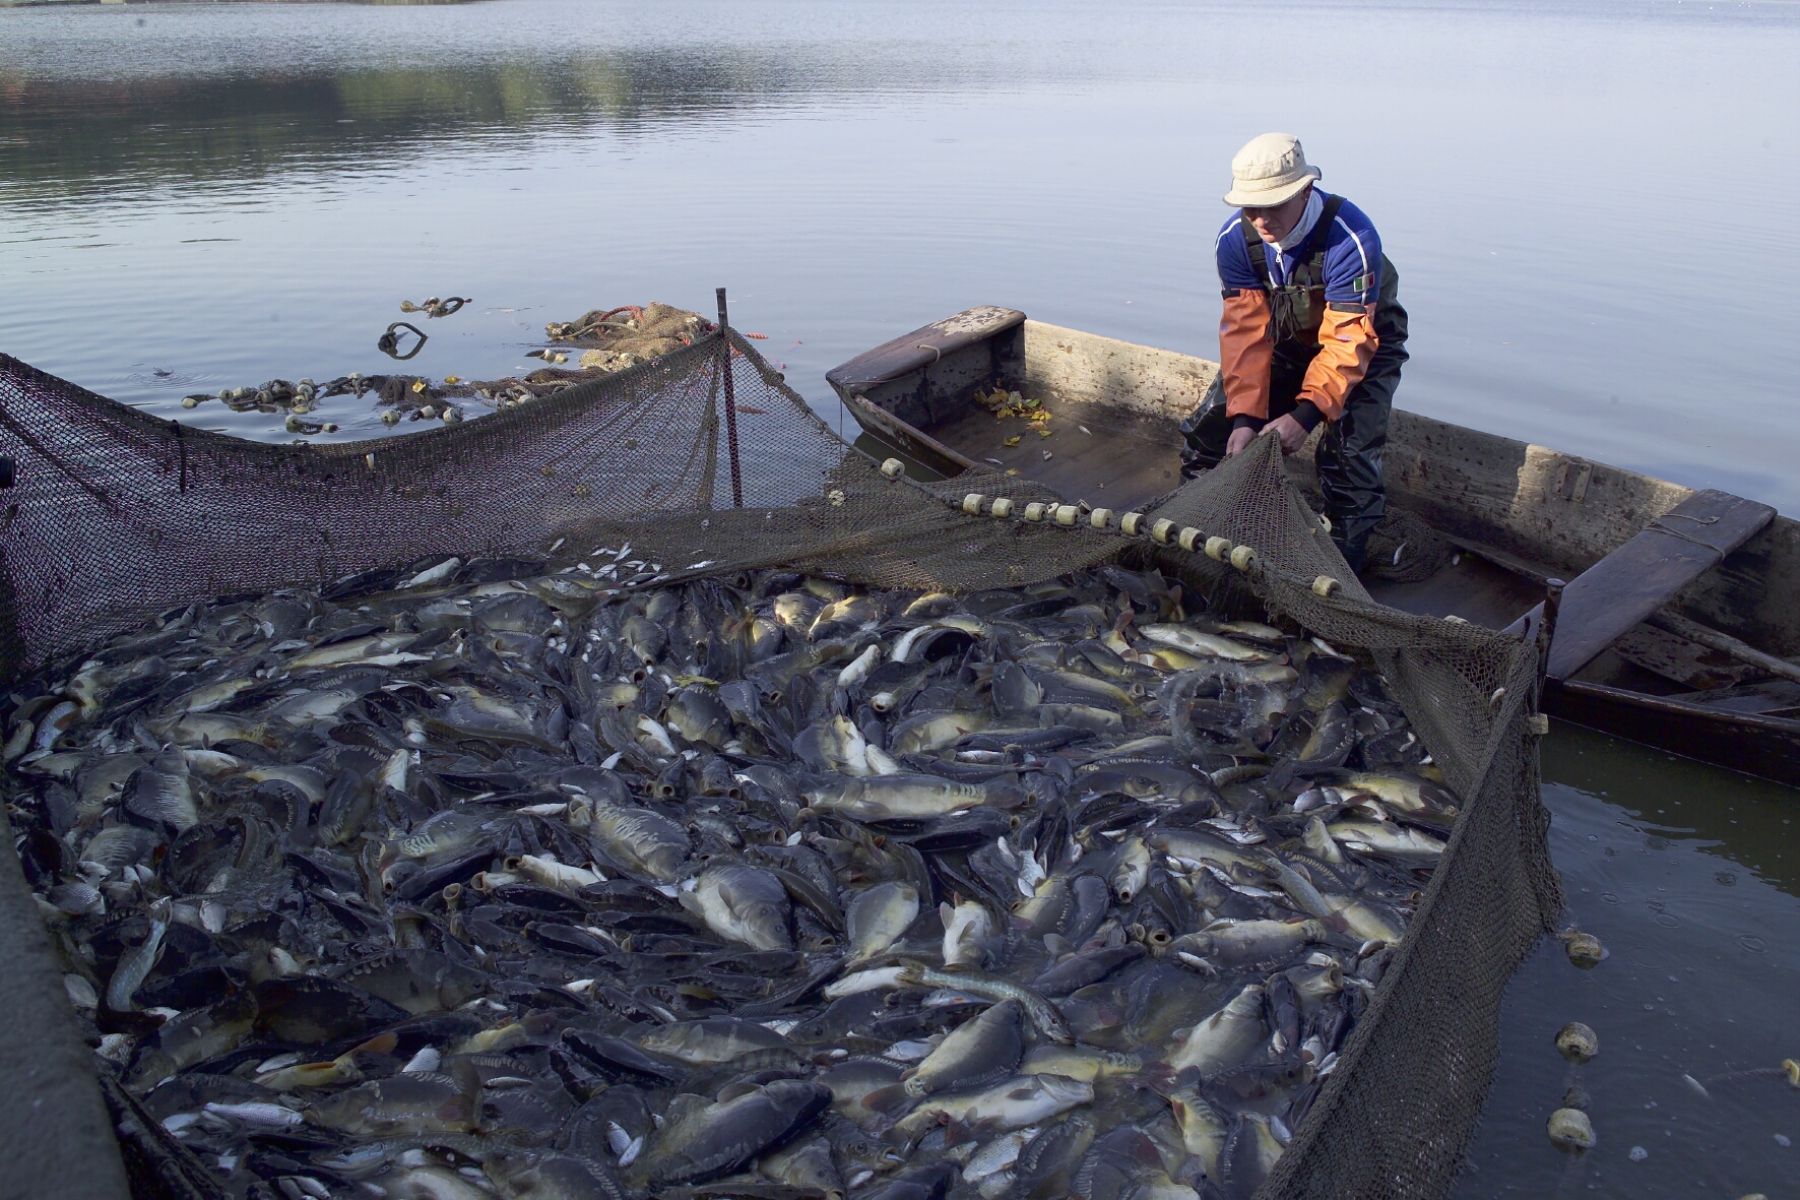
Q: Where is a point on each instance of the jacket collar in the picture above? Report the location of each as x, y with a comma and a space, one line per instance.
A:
1315, 207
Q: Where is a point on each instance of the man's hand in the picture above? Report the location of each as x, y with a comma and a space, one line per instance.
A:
1291, 433
1239, 441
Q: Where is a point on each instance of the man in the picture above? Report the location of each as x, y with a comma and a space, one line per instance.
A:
1312, 332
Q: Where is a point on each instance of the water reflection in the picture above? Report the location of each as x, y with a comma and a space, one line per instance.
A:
1688, 875
93, 100
70, 139
1680, 803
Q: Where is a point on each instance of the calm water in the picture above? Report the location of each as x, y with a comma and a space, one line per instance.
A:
1691, 878
1591, 206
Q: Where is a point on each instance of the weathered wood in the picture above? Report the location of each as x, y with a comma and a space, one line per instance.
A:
1659, 651
58, 1130
923, 347
1546, 619
1685, 663
1517, 499
1559, 512
1640, 576
916, 442
1751, 594
1085, 368
1694, 631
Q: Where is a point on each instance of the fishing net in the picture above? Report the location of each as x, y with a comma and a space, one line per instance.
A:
705, 461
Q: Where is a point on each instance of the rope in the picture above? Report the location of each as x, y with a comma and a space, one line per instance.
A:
1658, 524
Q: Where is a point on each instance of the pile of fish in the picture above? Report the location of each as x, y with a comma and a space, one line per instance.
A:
488, 878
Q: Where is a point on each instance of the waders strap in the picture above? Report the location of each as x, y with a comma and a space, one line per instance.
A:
1253, 247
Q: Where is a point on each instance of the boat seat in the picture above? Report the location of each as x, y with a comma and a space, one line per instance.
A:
1641, 575
922, 347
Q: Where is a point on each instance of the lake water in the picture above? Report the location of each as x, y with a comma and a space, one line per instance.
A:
1591, 206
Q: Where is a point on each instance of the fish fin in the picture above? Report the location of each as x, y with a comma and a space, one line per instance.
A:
1337, 926
1158, 1077
888, 1101
957, 1132
1281, 779
381, 1043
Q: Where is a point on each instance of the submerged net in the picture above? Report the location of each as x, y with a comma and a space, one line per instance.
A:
116, 516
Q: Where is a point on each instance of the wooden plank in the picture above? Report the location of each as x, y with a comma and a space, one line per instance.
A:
1750, 594
1686, 664
1642, 574
922, 347
1647, 647
946, 460
1725, 643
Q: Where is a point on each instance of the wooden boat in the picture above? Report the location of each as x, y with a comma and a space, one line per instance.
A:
1678, 628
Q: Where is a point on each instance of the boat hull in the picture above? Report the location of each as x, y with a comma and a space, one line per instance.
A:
1516, 515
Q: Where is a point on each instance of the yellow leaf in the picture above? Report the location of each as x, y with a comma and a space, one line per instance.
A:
418, 385
1013, 440
1043, 432
452, 379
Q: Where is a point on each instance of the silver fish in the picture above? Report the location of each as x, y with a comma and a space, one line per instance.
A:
742, 904
877, 916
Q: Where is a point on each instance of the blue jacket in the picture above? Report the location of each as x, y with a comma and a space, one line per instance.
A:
1341, 324
1352, 256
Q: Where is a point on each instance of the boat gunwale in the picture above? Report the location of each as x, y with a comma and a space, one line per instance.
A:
1428, 458
1614, 499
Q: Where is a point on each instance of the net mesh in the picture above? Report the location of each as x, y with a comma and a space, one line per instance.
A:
116, 516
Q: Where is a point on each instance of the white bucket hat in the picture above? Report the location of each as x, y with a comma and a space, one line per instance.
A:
1269, 169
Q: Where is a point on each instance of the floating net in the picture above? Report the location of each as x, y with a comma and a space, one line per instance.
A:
706, 462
